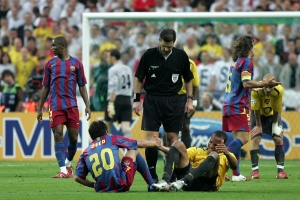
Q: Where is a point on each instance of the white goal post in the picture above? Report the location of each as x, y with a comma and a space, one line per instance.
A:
161, 16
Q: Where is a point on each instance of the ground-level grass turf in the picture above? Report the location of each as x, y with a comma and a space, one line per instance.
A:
32, 180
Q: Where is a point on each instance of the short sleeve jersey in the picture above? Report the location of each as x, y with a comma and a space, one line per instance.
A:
267, 104
198, 155
236, 97
120, 80
195, 80
101, 159
163, 75
61, 76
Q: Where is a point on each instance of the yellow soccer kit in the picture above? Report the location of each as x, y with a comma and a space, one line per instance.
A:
24, 69
198, 155
195, 80
267, 104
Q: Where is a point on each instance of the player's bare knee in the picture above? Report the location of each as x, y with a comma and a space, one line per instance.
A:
58, 136
214, 154
178, 144
256, 140
278, 140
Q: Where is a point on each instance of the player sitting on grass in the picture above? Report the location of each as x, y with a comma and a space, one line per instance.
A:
101, 159
209, 165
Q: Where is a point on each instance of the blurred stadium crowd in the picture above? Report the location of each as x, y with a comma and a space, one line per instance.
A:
28, 26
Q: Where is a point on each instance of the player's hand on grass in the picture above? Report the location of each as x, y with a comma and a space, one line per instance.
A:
88, 113
39, 116
136, 108
256, 130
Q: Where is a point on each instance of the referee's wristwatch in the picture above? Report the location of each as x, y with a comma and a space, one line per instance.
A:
191, 97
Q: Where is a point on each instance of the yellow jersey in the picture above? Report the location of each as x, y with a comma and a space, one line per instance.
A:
15, 56
215, 51
195, 80
198, 155
24, 69
267, 104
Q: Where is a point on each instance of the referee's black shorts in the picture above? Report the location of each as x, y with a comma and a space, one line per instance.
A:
266, 123
123, 109
162, 110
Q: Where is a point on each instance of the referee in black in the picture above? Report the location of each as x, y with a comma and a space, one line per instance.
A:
163, 68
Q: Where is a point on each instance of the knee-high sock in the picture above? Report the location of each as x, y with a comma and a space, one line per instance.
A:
151, 158
143, 169
206, 166
72, 148
235, 148
172, 158
59, 149
254, 159
279, 157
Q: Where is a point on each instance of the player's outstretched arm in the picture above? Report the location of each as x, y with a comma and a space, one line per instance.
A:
45, 92
148, 143
84, 182
256, 84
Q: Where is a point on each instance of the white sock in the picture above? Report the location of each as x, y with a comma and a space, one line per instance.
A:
63, 169
67, 162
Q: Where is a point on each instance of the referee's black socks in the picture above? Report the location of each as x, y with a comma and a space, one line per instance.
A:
151, 158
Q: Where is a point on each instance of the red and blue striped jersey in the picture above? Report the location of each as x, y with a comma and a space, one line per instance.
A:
236, 97
61, 76
101, 159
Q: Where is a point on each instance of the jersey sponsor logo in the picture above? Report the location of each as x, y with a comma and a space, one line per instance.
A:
253, 102
268, 110
175, 78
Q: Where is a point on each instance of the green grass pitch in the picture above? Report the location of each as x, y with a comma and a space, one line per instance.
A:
32, 180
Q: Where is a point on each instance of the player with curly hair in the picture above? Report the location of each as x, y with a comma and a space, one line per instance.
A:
236, 98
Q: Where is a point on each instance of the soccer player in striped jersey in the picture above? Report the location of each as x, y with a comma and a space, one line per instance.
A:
236, 97
120, 90
61, 75
101, 159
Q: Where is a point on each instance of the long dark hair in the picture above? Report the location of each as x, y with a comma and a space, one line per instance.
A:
242, 47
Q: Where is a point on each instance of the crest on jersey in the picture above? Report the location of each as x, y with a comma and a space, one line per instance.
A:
175, 78
253, 102
267, 101
72, 68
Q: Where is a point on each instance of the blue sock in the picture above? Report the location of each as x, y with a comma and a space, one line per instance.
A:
72, 148
60, 153
235, 148
142, 168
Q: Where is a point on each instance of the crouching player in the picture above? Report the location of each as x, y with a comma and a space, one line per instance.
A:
266, 106
207, 171
101, 159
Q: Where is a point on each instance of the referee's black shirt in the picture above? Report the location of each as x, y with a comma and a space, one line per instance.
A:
163, 76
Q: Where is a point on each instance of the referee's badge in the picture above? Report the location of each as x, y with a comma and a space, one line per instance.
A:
175, 77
